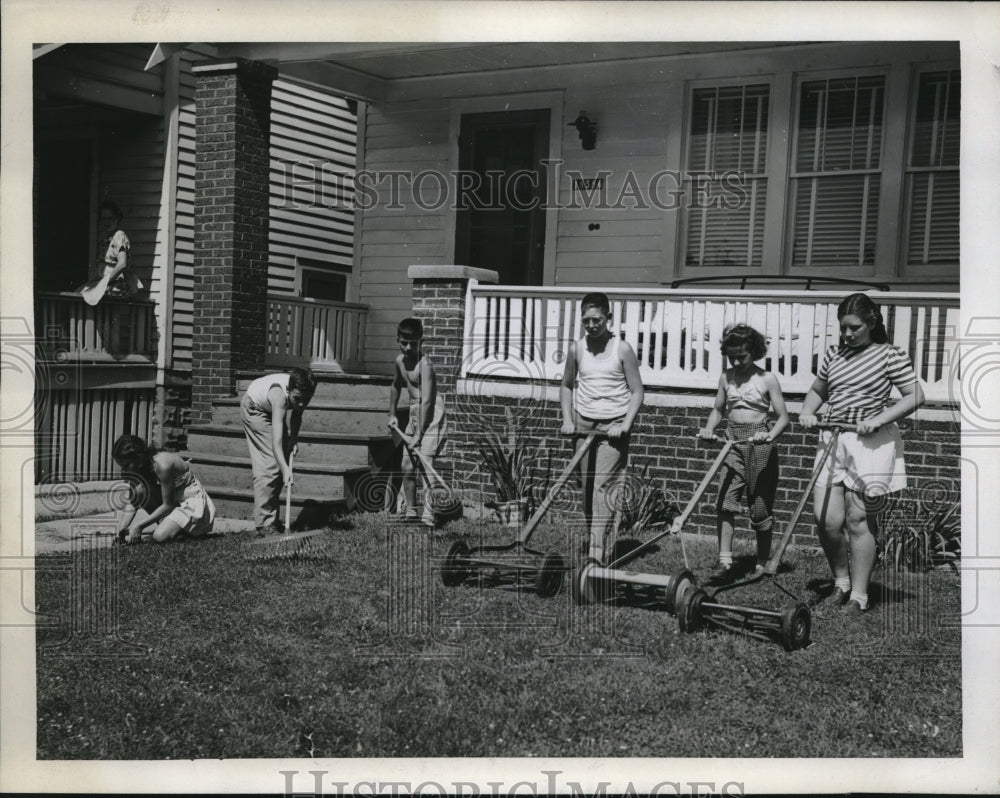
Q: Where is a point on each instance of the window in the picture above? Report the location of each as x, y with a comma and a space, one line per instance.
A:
321, 279
932, 204
836, 173
726, 176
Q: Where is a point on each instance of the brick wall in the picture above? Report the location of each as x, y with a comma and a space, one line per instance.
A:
440, 306
664, 439
232, 102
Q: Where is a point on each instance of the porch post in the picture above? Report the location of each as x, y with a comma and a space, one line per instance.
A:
439, 297
232, 136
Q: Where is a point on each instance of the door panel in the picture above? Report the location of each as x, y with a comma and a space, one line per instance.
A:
500, 222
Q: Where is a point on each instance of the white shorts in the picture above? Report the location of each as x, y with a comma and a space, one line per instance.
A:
195, 515
869, 464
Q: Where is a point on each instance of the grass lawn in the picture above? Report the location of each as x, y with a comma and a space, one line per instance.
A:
362, 651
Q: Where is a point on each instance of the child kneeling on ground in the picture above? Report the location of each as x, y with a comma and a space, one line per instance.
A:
185, 508
745, 398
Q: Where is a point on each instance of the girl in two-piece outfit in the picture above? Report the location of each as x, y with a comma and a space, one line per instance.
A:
745, 398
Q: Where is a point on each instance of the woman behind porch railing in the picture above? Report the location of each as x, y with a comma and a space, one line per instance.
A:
110, 275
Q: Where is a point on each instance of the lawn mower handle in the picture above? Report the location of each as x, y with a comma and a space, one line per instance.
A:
772, 564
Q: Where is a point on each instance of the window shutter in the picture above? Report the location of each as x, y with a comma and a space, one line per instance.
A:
932, 175
836, 180
727, 150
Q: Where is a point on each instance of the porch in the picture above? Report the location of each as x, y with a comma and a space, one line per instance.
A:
97, 376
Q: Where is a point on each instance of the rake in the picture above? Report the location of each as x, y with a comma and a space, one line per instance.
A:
287, 545
446, 505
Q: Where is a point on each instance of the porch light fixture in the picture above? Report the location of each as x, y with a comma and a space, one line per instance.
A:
587, 130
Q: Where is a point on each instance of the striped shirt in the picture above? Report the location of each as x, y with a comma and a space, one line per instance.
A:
859, 380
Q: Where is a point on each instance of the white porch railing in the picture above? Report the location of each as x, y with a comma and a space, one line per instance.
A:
327, 336
523, 332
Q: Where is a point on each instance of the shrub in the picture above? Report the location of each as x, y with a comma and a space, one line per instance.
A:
919, 541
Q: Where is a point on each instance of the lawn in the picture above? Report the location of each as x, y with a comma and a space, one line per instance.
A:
360, 650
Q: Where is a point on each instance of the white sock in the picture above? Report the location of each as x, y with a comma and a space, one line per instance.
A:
861, 598
842, 582
726, 557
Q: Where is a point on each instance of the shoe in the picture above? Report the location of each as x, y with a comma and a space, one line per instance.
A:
721, 574
853, 609
837, 598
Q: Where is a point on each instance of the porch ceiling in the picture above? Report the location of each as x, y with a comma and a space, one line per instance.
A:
368, 69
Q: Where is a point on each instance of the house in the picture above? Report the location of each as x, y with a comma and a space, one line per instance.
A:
492, 184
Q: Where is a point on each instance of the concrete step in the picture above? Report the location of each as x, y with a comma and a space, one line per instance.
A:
347, 449
322, 415
308, 512
356, 387
332, 480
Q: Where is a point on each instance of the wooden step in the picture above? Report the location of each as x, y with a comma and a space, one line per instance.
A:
332, 480
308, 512
314, 447
322, 415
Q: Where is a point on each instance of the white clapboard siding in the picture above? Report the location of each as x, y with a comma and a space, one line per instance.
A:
411, 136
180, 343
311, 209
313, 156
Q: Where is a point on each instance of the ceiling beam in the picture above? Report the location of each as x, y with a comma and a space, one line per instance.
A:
338, 79
292, 52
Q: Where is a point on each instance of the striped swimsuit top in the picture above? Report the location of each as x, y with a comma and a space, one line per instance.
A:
859, 381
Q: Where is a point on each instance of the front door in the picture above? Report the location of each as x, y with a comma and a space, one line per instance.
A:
500, 222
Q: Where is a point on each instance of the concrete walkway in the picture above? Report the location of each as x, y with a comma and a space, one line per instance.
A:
64, 535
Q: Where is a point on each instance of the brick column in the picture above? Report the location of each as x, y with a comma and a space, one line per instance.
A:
439, 302
232, 137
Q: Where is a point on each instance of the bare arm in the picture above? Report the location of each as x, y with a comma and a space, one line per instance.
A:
119, 266
913, 397
778, 403
630, 364
816, 396
166, 479
428, 396
394, 391
566, 392
718, 410
278, 407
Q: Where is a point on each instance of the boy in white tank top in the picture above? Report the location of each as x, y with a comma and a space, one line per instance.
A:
601, 390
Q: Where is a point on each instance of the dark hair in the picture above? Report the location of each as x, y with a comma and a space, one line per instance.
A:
743, 336
411, 329
303, 380
132, 448
862, 306
111, 205
596, 300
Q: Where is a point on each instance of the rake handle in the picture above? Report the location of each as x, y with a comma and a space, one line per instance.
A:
288, 495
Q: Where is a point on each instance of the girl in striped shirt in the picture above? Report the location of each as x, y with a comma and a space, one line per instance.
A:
855, 380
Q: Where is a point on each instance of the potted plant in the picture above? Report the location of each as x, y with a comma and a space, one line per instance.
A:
510, 464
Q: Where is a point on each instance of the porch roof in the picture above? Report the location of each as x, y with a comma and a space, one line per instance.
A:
370, 70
